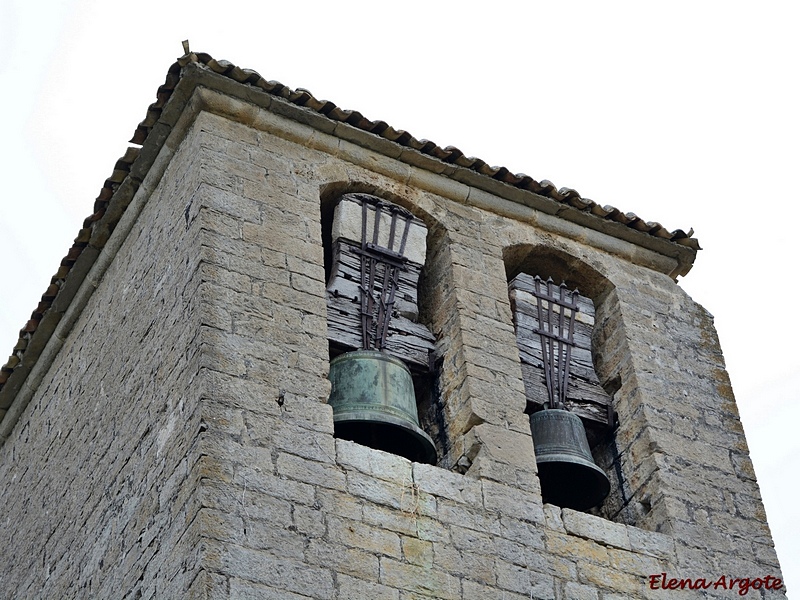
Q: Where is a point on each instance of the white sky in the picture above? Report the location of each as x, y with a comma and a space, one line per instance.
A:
684, 113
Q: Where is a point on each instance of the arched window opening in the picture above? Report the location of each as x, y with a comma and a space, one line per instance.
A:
380, 352
570, 410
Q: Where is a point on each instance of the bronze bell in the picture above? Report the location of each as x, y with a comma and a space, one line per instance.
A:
372, 395
567, 471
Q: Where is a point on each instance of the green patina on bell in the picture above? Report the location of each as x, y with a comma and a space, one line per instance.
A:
567, 471
372, 395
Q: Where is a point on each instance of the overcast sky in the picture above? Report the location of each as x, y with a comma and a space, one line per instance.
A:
685, 113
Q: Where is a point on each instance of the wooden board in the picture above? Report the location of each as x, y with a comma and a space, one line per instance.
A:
408, 340
585, 396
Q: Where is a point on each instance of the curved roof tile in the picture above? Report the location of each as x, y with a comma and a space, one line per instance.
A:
301, 97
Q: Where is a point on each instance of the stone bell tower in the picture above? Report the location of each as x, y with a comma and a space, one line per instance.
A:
177, 423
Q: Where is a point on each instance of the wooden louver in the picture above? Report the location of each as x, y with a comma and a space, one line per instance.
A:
378, 254
579, 388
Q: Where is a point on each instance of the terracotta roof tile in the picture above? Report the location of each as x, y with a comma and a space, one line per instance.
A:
449, 154
304, 98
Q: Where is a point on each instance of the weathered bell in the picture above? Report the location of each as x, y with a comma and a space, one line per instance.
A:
567, 471
372, 395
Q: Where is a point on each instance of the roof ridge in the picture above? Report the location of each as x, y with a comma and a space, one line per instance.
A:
448, 154
121, 175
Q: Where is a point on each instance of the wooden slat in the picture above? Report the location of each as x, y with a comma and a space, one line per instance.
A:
585, 395
346, 280
408, 340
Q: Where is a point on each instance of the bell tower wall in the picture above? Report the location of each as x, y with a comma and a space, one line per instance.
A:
101, 471
188, 405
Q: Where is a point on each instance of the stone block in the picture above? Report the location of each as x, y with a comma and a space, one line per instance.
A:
225, 202
570, 546
530, 535
503, 445
267, 536
242, 589
204, 587
309, 521
420, 580
514, 552
339, 503
397, 495
636, 564
453, 486
357, 589
470, 540
309, 413
247, 503
447, 557
291, 575
478, 591
552, 518
310, 472
355, 534
432, 530
381, 465
417, 551
450, 513
765, 555
479, 565
511, 501
606, 578
300, 441
522, 580
651, 543
485, 468
400, 521
577, 591
219, 525
332, 554
596, 528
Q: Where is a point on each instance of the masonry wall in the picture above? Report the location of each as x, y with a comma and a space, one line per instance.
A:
215, 467
326, 518
100, 475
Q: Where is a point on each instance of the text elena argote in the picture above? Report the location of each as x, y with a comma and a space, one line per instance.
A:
742, 584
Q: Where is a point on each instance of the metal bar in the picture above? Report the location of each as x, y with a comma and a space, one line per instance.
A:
382, 325
562, 367
403, 240
554, 358
371, 300
393, 284
390, 245
570, 336
368, 268
542, 339
377, 228
571, 304
554, 336
377, 303
383, 255
363, 288
363, 225
556, 329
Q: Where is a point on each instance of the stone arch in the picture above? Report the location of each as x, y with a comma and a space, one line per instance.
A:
547, 261
426, 384
330, 192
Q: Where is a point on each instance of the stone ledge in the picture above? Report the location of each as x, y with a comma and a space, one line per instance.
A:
376, 463
595, 528
608, 533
